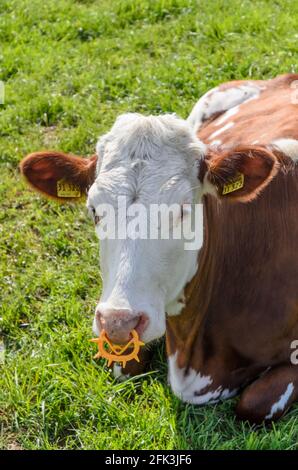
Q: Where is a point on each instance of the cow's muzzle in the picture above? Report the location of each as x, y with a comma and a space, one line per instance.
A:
118, 323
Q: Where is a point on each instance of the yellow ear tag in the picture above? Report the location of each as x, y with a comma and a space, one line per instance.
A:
114, 352
66, 189
234, 185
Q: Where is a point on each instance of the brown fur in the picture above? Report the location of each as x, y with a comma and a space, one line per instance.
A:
43, 170
241, 312
258, 165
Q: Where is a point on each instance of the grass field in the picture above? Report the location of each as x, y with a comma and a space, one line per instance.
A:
70, 68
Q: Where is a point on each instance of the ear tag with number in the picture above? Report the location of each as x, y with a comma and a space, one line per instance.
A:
234, 185
67, 189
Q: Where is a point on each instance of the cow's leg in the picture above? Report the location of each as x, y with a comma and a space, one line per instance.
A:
220, 99
133, 368
269, 397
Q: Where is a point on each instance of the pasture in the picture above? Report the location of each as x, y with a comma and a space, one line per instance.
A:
69, 69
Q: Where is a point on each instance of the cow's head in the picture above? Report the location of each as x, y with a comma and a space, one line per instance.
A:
145, 161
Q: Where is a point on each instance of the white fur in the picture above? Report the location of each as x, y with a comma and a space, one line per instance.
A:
221, 130
215, 142
200, 111
118, 374
209, 188
188, 386
231, 112
175, 308
216, 101
289, 147
185, 385
281, 404
151, 160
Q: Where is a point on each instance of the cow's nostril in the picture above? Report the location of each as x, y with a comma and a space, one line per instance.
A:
142, 323
118, 324
99, 318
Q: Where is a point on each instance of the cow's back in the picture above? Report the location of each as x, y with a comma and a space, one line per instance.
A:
271, 114
242, 305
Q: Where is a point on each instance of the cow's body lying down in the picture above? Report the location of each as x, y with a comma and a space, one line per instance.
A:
232, 307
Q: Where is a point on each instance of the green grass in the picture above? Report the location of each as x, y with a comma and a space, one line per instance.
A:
70, 68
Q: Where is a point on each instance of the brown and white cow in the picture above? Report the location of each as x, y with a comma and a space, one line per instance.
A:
230, 307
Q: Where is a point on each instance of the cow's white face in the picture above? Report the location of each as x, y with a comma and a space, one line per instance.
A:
148, 161
144, 161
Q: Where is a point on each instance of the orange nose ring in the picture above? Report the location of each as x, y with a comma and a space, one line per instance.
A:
115, 352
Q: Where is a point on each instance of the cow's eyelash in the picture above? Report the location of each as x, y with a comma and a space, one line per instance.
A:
94, 216
185, 211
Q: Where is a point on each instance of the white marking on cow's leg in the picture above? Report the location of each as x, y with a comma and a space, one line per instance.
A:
288, 146
227, 393
281, 404
188, 386
118, 374
221, 130
215, 101
213, 396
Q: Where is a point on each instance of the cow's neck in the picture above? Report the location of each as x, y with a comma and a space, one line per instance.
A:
196, 294
198, 330
244, 265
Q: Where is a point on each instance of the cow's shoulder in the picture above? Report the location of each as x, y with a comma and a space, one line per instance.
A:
251, 113
223, 98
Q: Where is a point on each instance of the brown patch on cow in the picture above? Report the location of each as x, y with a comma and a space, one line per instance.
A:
244, 296
203, 167
271, 116
241, 311
43, 170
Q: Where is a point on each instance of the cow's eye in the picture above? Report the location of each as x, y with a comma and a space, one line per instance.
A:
185, 210
94, 216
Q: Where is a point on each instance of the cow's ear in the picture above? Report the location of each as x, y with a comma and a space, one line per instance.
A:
240, 174
58, 175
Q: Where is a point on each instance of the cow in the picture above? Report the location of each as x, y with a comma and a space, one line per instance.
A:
229, 307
